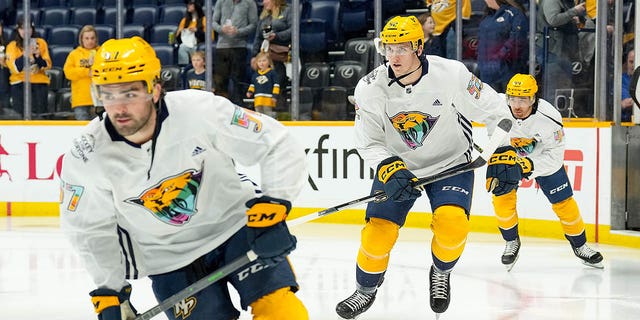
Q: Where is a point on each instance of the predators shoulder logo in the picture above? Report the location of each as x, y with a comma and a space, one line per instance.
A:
523, 146
173, 200
414, 127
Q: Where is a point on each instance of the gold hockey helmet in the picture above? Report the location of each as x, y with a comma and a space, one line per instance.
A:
403, 29
522, 85
126, 60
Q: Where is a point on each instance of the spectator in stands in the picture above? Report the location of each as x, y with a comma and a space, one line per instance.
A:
233, 21
444, 16
191, 31
502, 43
4, 74
561, 18
37, 62
196, 77
432, 44
77, 68
627, 73
275, 27
264, 86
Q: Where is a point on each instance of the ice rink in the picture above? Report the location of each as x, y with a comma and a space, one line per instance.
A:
41, 278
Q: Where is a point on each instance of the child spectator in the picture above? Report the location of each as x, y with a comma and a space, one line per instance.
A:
196, 77
264, 86
432, 44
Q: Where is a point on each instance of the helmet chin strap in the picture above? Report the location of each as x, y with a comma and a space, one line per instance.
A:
397, 79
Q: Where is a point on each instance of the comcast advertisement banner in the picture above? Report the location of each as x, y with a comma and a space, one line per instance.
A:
30, 160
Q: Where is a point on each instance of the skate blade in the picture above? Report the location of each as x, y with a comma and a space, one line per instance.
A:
597, 265
438, 316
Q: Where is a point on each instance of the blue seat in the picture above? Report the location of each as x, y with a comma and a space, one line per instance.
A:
84, 16
145, 14
35, 15
313, 36
159, 33
165, 53
131, 30
329, 11
55, 16
172, 13
356, 15
83, 4
165, 2
105, 32
109, 15
392, 8
7, 32
63, 35
59, 55
50, 3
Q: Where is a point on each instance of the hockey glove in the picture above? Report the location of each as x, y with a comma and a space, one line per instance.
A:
397, 180
267, 230
505, 170
113, 305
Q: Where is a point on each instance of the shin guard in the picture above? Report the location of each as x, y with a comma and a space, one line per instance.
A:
450, 228
571, 220
280, 304
504, 207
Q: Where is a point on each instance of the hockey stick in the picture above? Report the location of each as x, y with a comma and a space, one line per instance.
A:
498, 137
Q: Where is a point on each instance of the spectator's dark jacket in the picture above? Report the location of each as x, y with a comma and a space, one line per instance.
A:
502, 44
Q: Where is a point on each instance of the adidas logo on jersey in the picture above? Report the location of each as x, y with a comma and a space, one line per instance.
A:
437, 103
198, 150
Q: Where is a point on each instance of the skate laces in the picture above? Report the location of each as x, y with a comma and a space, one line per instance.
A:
439, 281
585, 251
511, 247
358, 300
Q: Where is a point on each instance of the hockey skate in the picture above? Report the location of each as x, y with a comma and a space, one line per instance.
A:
589, 256
356, 304
439, 290
510, 254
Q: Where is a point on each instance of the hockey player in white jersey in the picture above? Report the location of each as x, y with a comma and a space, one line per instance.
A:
413, 118
536, 151
151, 190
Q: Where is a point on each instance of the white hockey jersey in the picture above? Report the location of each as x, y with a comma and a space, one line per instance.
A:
541, 138
427, 124
135, 210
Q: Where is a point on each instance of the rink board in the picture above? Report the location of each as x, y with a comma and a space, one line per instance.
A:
30, 159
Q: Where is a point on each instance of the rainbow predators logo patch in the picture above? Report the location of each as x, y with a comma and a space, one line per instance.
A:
246, 119
474, 87
413, 127
523, 146
172, 200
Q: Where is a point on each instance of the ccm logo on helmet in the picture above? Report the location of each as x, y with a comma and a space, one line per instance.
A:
111, 69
